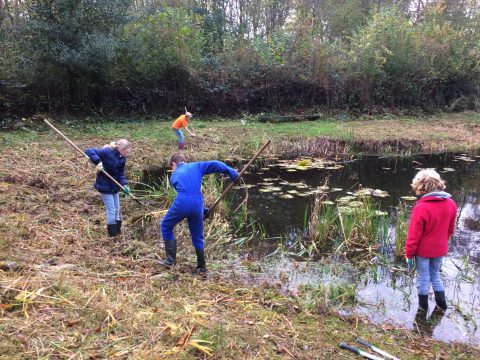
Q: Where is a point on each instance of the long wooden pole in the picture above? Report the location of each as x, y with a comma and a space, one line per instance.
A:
81, 151
224, 193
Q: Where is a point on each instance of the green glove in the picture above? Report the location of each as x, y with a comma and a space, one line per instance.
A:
410, 264
126, 190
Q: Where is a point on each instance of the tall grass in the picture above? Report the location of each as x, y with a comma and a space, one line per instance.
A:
322, 224
357, 228
362, 227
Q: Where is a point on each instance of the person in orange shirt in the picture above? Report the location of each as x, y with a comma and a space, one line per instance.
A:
182, 122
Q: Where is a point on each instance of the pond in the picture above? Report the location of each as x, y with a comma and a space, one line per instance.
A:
280, 198
383, 294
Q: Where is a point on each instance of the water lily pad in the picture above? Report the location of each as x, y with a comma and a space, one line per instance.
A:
381, 213
304, 163
335, 189
291, 170
372, 192
408, 198
464, 158
345, 199
243, 186
266, 190
292, 191
328, 202
300, 185
448, 169
302, 168
285, 196
386, 168
269, 179
266, 183
355, 204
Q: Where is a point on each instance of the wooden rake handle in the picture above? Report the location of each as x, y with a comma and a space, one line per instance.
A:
81, 151
240, 174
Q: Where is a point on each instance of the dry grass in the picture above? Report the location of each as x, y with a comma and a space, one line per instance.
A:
73, 293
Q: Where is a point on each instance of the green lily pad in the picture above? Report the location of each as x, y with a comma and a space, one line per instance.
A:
408, 198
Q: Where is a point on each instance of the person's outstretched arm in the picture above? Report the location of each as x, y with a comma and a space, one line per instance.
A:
215, 166
192, 134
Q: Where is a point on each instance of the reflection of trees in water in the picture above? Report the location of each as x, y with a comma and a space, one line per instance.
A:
471, 218
472, 223
466, 243
466, 240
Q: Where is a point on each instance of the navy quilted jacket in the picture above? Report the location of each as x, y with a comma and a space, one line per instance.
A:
113, 163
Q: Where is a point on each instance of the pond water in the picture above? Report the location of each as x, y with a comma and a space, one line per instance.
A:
384, 295
281, 194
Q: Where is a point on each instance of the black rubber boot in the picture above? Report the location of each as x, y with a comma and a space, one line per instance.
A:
201, 266
119, 224
423, 302
112, 229
171, 252
440, 300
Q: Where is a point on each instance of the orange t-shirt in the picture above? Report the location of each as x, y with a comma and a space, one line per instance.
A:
181, 122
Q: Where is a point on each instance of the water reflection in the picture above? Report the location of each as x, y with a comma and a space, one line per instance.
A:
384, 296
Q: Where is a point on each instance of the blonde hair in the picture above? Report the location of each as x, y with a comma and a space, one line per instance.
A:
120, 144
427, 181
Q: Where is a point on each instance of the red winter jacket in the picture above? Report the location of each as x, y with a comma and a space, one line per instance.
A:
431, 225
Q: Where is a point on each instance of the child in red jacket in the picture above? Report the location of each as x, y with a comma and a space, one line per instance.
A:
431, 225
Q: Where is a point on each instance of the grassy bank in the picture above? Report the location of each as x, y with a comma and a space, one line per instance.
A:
68, 291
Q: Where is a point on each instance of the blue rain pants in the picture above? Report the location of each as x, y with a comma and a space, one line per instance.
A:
187, 181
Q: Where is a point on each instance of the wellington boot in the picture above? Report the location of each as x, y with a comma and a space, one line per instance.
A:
201, 266
440, 300
421, 323
423, 302
119, 224
181, 146
170, 252
112, 229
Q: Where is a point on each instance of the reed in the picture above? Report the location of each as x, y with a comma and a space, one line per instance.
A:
362, 228
401, 229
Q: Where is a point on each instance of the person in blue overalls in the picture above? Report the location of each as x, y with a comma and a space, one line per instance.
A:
111, 158
187, 181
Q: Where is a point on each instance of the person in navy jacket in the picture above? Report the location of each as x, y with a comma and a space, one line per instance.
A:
431, 225
187, 181
111, 158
